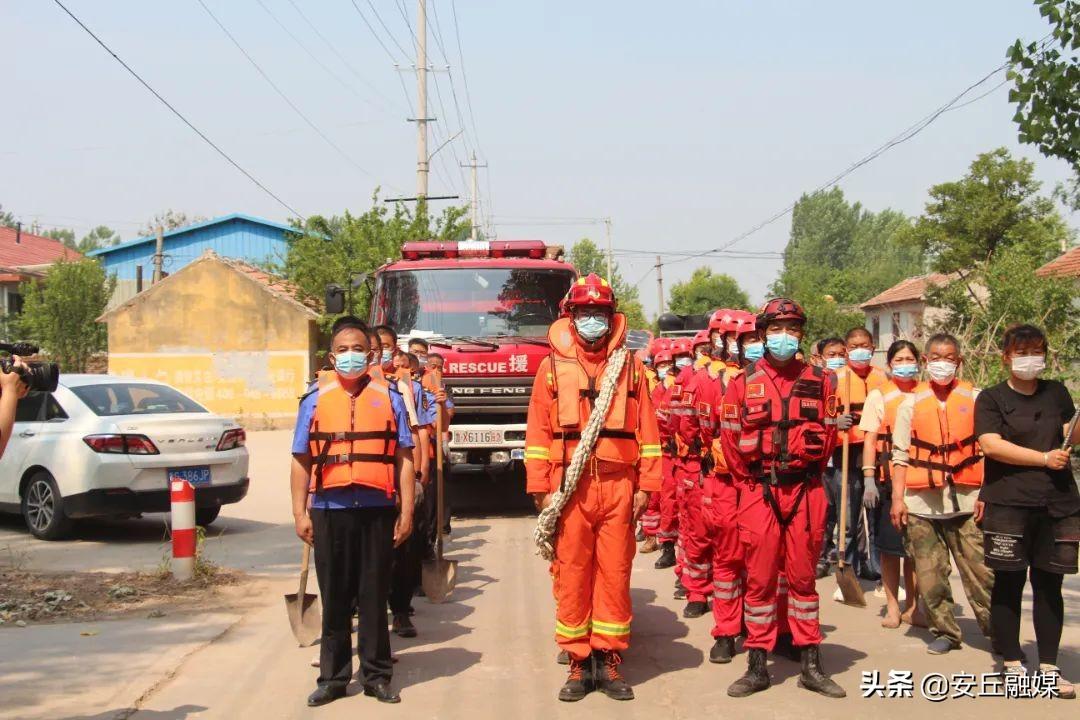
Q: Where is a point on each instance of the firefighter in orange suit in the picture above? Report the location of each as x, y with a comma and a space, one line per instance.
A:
594, 542
652, 518
779, 428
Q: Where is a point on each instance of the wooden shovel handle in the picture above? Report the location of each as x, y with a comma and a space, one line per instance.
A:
304, 564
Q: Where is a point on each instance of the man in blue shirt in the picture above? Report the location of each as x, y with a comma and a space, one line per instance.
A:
352, 486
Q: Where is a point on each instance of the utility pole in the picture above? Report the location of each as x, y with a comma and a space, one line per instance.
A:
421, 101
475, 166
159, 254
660, 286
607, 229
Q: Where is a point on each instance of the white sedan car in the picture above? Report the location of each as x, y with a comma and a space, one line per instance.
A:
103, 446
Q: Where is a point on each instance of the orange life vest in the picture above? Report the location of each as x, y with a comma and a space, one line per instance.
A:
353, 440
860, 388
575, 393
893, 397
784, 435
943, 445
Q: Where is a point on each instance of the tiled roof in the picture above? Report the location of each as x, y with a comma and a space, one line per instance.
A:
31, 249
1067, 265
913, 289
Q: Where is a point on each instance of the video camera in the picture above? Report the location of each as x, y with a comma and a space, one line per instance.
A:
40, 376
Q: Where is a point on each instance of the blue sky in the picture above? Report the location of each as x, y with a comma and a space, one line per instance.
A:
685, 122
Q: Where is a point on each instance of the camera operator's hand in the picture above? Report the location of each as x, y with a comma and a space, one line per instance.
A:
12, 382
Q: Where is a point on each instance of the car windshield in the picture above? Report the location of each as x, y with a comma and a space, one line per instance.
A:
135, 399
472, 302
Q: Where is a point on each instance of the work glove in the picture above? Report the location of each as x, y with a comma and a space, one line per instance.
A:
845, 421
870, 496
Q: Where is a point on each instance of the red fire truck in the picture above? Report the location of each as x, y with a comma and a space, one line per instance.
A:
485, 306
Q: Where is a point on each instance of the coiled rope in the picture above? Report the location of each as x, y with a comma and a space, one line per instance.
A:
548, 521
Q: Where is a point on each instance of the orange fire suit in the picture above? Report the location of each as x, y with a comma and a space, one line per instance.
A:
594, 547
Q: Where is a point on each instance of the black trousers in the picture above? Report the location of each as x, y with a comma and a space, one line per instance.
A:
353, 553
405, 576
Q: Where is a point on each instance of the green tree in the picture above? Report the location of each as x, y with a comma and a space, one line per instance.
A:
60, 312
839, 255
587, 258
6, 218
169, 220
99, 237
333, 249
706, 291
64, 235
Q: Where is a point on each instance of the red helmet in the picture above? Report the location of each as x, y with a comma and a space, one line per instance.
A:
662, 356
780, 309
720, 320
743, 322
681, 346
659, 344
590, 291
701, 338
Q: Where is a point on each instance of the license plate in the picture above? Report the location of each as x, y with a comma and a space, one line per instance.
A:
478, 437
517, 454
197, 476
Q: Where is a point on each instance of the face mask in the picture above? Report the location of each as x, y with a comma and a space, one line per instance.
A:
682, 362
835, 363
907, 371
782, 346
733, 348
860, 357
754, 351
1028, 367
387, 356
591, 328
662, 372
941, 372
350, 364
647, 360
422, 359
718, 342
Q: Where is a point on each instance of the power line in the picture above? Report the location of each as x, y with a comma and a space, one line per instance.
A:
177, 113
464, 76
384, 27
281, 92
373, 33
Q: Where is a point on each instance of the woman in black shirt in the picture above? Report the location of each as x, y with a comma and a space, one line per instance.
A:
1029, 505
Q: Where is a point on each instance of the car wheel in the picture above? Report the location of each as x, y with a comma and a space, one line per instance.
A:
43, 508
206, 515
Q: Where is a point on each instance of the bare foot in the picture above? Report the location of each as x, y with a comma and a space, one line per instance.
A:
891, 619
914, 616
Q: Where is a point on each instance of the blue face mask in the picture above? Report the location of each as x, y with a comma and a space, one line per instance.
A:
591, 327
907, 371
781, 345
860, 357
753, 351
387, 356
683, 362
835, 363
662, 372
350, 364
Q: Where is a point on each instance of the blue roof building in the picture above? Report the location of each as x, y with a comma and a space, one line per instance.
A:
242, 237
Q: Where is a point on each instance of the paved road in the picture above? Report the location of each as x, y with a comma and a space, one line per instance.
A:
487, 654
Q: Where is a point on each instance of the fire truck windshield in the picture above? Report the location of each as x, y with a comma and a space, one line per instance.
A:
471, 302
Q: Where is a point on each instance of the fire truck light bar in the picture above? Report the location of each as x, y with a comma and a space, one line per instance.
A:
534, 249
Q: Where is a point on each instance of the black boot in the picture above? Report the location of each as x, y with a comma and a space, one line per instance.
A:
608, 678
640, 537
756, 678
695, 609
667, 556
325, 694
563, 658
680, 591
722, 650
403, 626
814, 678
579, 682
785, 648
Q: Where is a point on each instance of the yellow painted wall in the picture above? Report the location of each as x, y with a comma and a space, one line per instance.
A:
217, 336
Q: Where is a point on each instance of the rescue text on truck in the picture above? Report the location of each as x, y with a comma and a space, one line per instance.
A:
485, 307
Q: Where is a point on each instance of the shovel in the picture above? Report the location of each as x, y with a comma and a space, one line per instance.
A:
845, 576
305, 617
439, 575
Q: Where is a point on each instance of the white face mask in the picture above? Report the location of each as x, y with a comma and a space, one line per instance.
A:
1028, 367
941, 372
733, 348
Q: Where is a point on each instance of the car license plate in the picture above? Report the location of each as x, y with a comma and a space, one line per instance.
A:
486, 436
197, 476
517, 454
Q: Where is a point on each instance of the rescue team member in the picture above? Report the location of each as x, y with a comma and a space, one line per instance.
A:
701, 349
878, 420
419, 348
1030, 506
936, 476
445, 403
687, 468
653, 519
779, 429
831, 353
594, 546
668, 534
352, 441
858, 378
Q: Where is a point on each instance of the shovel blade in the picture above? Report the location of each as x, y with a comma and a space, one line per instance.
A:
850, 587
305, 618
438, 579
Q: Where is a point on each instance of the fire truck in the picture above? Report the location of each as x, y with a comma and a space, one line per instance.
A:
485, 306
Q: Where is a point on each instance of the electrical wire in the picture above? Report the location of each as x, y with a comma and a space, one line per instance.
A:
178, 114
374, 34
384, 27
464, 75
281, 92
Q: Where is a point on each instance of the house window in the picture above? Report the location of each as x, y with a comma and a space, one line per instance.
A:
14, 303
897, 331
875, 329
